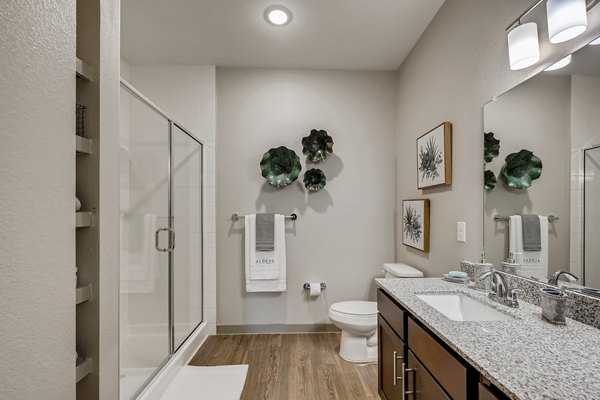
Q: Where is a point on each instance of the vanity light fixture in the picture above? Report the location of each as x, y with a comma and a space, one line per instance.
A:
278, 15
595, 42
567, 19
560, 64
523, 46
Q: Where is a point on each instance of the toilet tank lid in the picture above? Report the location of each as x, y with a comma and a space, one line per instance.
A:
402, 270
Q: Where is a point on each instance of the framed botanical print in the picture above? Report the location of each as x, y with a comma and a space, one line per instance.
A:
415, 224
434, 157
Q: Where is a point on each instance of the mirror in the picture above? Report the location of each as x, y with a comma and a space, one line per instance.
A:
542, 174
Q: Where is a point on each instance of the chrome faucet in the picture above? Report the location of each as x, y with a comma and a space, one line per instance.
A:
500, 291
556, 276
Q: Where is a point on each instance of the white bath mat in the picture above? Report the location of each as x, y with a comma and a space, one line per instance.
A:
224, 382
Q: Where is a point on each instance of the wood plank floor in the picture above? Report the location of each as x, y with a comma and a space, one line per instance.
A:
291, 366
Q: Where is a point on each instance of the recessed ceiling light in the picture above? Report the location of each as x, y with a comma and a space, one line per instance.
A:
560, 64
595, 42
278, 15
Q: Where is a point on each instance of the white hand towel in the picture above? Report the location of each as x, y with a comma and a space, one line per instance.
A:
534, 264
265, 270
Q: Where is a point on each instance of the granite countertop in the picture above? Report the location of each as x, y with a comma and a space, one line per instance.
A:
526, 357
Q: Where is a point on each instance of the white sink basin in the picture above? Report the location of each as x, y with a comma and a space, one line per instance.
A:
459, 307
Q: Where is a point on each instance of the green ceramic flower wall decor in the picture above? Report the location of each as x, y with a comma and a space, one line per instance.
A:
280, 166
314, 180
317, 145
520, 169
489, 181
491, 147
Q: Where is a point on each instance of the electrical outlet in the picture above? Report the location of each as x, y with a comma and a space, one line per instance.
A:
461, 232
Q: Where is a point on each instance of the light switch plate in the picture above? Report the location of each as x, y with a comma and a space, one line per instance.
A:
461, 232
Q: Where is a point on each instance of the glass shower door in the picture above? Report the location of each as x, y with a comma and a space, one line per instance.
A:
144, 219
591, 244
187, 222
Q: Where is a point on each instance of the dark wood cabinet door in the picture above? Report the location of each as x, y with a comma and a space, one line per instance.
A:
420, 384
486, 393
391, 357
448, 370
392, 313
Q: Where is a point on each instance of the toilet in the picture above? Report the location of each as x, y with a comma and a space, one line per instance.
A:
358, 319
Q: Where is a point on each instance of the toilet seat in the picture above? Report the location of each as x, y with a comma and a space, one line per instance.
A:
355, 308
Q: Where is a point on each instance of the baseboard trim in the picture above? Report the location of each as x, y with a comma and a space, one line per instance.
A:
276, 328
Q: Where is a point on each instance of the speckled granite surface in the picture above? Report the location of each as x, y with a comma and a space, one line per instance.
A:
527, 358
580, 307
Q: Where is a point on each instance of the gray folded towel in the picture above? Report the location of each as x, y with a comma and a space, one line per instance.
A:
532, 239
265, 232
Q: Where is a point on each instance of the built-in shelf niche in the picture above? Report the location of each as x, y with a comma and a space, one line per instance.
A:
82, 369
83, 70
83, 219
83, 145
83, 293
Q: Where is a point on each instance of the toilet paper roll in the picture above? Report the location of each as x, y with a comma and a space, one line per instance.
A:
315, 289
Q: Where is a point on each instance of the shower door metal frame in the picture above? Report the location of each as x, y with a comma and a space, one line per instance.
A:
171, 281
171, 220
594, 147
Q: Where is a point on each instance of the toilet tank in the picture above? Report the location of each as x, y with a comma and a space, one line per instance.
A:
400, 270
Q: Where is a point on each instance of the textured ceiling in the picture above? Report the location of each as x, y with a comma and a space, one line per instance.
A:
332, 34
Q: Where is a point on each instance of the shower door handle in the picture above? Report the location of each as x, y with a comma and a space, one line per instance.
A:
171, 239
157, 237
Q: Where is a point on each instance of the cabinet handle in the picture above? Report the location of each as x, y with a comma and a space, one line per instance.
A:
395, 367
405, 371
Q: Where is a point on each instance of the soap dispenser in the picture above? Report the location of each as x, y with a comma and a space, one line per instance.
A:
510, 265
481, 267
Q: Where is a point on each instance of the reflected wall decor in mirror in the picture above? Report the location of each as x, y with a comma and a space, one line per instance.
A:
542, 186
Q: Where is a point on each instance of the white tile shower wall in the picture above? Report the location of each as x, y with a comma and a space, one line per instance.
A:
187, 92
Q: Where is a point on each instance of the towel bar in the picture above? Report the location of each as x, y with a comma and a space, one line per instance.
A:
551, 218
235, 217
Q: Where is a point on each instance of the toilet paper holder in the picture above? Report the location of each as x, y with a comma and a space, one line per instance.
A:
306, 286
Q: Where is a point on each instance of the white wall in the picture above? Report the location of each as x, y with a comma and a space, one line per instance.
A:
459, 64
535, 116
37, 171
109, 200
345, 232
187, 93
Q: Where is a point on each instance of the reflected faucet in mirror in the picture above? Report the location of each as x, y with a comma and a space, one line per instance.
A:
556, 276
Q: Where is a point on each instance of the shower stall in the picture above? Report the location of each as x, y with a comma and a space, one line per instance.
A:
161, 249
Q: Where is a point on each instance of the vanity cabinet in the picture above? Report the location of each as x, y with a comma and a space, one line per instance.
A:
414, 364
419, 382
391, 359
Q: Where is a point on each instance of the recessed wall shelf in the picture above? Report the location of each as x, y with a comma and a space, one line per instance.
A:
83, 219
83, 70
83, 293
83, 368
83, 145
